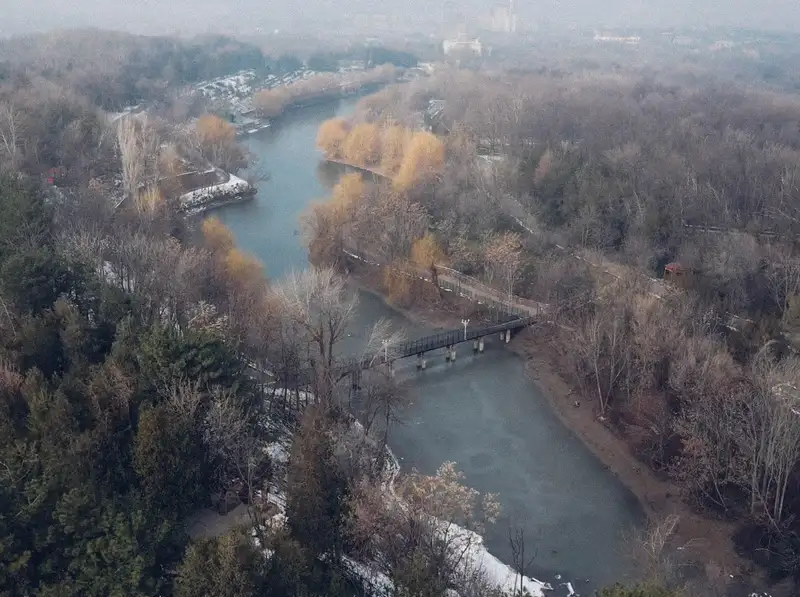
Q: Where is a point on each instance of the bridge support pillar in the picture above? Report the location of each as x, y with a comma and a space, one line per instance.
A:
508, 336
480, 345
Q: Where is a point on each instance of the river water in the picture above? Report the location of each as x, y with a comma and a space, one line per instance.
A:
483, 412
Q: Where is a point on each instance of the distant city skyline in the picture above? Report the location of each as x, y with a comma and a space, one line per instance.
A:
238, 16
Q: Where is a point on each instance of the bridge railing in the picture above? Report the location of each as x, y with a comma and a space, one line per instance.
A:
451, 280
453, 337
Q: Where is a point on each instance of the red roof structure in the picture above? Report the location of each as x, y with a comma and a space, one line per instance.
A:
675, 269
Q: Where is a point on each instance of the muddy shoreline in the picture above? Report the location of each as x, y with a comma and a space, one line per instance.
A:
699, 541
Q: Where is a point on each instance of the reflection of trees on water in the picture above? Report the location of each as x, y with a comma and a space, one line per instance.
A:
329, 173
318, 112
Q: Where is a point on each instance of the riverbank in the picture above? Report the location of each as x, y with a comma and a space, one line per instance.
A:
701, 547
255, 124
228, 190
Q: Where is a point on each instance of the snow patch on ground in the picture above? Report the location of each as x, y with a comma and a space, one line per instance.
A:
376, 583
233, 186
499, 573
477, 555
278, 452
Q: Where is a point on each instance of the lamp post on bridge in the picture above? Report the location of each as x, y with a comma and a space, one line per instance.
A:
465, 322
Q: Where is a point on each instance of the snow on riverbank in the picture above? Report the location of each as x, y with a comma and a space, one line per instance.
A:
204, 198
499, 573
477, 557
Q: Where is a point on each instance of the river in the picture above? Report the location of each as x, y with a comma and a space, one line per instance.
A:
482, 412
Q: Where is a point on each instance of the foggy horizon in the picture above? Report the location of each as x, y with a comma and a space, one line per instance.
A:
248, 16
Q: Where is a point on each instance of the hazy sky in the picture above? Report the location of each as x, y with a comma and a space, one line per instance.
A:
161, 16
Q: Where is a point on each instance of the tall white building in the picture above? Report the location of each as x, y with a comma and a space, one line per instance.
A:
462, 45
504, 18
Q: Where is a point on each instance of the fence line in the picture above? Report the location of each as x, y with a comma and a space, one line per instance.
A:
451, 280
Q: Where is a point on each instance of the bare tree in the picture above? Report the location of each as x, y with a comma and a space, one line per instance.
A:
783, 276
650, 550
604, 346
388, 223
317, 303
771, 434
138, 147
522, 556
11, 133
423, 537
503, 259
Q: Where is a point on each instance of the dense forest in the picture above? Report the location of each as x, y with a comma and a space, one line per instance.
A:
149, 371
130, 400
134, 348
577, 192
114, 70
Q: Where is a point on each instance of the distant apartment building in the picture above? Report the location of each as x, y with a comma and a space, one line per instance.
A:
462, 46
504, 18
620, 39
722, 44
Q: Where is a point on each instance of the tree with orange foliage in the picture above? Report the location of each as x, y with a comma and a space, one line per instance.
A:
328, 224
217, 236
363, 145
332, 136
426, 253
348, 191
243, 269
423, 160
399, 282
213, 129
394, 141
149, 201
240, 276
272, 102
216, 139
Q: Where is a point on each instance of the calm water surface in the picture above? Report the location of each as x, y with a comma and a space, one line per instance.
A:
482, 412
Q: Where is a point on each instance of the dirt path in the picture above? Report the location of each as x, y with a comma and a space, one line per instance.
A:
703, 542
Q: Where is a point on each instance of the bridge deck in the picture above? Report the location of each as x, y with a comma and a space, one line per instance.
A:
453, 337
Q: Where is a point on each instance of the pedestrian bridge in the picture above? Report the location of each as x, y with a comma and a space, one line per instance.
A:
422, 346
512, 313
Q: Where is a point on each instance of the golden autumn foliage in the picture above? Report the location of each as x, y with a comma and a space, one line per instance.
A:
332, 136
426, 252
363, 145
272, 102
217, 143
217, 235
394, 141
243, 268
348, 191
326, 223
212, 130
398, 281
150, 200
424, 158
323, 235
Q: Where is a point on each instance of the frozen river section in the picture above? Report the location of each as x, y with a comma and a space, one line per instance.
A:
483, 412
